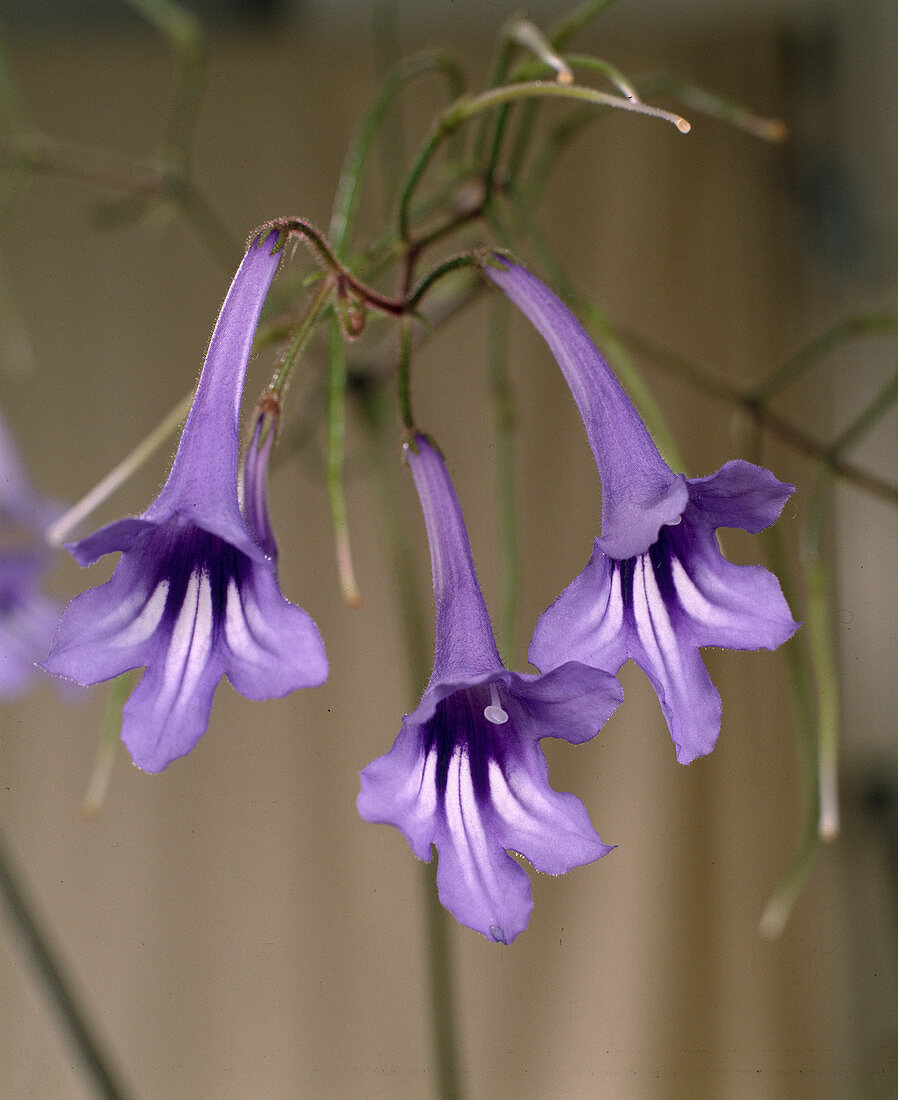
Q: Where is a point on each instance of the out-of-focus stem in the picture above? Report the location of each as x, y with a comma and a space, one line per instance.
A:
776, 912
98, 784
336, 444
71, 1015
572, 23
119, 474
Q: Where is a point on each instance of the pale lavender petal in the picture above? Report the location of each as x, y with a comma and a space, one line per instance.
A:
273, 647
740, 494
549, 828
466, 772
399, 788
587, 622
474, 790
111, 628
195, 594
168, 711
571, 702
690, 702
118, 536
479, 883
718, 603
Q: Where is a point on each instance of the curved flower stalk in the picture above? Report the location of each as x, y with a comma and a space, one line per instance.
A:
466, 772
195, 594
657, 587
27, 616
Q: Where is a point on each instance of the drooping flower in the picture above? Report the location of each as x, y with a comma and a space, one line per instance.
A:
466, 772
27, 616
195, 594
657, 587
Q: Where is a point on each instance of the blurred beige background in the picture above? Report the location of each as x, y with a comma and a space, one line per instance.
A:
234, 928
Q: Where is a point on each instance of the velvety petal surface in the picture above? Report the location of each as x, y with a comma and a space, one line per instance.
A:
477, 789
195, 594
657, 587
658, 609
466, 772
465, 645
273, 647
640, 493
202, 485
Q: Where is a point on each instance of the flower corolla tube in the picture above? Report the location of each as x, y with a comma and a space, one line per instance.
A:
466, 772
657, 588
195, 593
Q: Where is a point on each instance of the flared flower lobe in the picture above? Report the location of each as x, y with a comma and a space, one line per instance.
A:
657, 587
195, 595
466, 772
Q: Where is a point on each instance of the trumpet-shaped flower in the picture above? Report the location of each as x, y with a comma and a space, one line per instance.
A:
657, 587
27, 616
195, 594
466, 772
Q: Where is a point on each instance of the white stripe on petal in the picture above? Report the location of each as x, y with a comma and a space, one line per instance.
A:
522, 806
201, 642
695, 603
146, 621
190, 644
603, 623
653, 625
237, 636
419, 791
469, 836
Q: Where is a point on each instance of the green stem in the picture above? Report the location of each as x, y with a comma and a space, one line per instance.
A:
208, 226
870, 416
454, 263
385, 27
715, 106
804, 710
347, 197
48, 966
792, 369
404, 375
184, 34
468, 107
763, 416
439, 958
98, 784
572, 23
336, 444
301, 337
823, 653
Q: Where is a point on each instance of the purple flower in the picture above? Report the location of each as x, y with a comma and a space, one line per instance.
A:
466, 772
195, 594
656, 588
27, 616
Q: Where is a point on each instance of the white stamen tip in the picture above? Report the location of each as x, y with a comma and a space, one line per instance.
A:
494, 712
